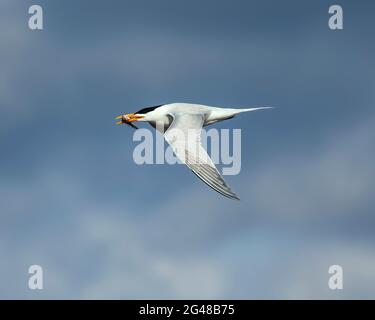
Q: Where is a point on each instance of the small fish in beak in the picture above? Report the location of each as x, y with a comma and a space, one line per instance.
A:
128, 119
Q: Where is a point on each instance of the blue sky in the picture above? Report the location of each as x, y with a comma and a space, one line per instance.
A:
73, 201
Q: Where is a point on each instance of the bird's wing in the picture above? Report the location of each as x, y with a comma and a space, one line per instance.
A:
184, 136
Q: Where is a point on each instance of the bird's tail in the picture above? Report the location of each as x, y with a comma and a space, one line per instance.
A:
236, 111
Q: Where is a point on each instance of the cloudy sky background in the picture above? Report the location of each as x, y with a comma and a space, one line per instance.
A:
73, 201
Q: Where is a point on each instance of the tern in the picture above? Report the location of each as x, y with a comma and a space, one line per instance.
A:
181, 125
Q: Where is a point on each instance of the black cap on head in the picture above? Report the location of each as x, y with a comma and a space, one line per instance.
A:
145, 110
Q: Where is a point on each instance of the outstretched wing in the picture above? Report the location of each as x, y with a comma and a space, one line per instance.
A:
184, 136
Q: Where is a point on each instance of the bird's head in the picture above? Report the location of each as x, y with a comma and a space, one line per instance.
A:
141, 115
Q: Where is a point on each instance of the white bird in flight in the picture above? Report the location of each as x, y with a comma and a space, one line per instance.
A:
181, 124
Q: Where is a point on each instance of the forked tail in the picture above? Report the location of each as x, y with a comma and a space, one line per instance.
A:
236, 111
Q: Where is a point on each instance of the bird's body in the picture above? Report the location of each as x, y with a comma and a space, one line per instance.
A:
181, 124
161, 114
